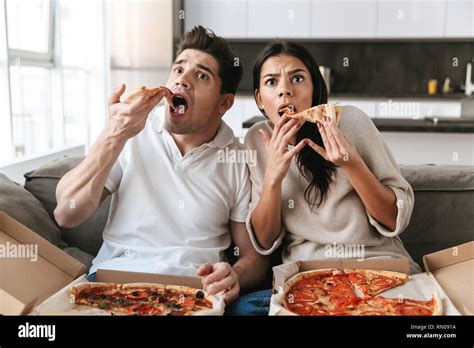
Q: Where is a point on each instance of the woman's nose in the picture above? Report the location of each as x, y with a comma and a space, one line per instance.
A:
285, 92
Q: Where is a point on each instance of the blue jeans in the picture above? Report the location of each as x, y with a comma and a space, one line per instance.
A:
255, 303
91, 277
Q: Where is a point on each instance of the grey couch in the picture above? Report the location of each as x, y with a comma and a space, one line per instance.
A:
443, 215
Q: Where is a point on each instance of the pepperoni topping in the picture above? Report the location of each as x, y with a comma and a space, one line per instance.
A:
333, 294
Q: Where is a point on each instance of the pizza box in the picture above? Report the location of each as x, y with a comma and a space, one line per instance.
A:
420, 287
61, 304
453, 269
32, 268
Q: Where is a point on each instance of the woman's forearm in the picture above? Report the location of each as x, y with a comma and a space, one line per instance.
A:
266, 218
379, 200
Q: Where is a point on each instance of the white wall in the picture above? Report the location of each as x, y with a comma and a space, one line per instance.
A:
141, 42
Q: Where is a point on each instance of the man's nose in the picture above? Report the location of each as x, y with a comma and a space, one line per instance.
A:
182, 81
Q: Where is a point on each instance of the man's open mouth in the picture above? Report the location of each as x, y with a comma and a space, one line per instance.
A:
179, 104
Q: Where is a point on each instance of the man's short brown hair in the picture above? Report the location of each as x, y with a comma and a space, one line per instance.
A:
230, 68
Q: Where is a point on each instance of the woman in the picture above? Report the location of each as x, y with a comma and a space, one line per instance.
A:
318, 186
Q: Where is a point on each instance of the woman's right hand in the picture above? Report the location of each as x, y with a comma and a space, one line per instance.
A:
278, 154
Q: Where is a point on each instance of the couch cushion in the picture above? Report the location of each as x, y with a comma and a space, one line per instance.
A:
21, 205
42, 184
443, 215
429, 177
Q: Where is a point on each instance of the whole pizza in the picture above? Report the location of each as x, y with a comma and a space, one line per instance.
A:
143, 299
352, 292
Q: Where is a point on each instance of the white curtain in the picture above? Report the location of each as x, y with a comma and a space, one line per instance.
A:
5, 112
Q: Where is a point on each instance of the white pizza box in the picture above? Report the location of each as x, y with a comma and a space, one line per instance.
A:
61, 302
420, 287
453, 269
32, 269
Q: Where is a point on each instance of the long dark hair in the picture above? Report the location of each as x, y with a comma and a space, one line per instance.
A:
312, 166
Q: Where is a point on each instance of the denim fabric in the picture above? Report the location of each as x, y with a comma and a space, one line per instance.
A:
255, 303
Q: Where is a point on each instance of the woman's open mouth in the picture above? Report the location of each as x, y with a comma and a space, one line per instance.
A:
178, 105
286, 109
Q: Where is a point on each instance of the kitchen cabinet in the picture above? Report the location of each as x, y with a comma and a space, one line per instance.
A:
333, 19
227, 18
459, 18
410, 18
279, 18
343, 18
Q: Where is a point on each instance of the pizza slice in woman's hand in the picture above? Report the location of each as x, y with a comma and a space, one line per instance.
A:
317, 113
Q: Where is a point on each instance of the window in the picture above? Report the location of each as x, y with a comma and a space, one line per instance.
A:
52, 76
30, 104
30, 26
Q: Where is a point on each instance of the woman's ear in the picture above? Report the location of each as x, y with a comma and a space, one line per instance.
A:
258, 99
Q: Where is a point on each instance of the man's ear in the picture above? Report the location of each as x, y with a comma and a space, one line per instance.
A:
226, 102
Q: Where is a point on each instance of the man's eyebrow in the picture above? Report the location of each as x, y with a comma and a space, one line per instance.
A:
176, 62
203, 67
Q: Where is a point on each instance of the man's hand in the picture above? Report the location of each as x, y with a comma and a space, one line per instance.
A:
127, 120
218, 277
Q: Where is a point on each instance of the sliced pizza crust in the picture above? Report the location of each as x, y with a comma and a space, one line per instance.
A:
78, 288
438, 304
144, 286
317, 113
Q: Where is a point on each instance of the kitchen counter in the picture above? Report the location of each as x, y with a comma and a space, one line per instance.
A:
385, 96
428, 125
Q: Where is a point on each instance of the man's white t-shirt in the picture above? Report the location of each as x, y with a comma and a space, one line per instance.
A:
170, 213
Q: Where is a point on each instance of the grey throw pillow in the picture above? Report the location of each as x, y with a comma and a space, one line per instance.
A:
21, 205
42, 184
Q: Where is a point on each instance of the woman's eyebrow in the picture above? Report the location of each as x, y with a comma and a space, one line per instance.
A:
294, 71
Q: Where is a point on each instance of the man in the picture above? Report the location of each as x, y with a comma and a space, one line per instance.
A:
173, 203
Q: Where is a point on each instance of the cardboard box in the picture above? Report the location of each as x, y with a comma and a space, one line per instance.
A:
453, 269
421, 284
32, 268
60, 304
36, 275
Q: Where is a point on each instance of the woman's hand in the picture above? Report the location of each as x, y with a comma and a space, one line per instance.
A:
278, 153
337, 149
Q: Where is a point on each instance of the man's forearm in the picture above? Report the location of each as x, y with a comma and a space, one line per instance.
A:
79, 192
251, 270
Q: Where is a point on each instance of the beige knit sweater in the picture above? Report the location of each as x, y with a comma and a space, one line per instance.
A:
341, 227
